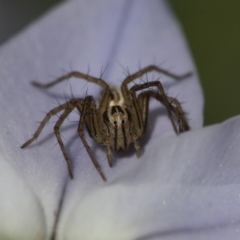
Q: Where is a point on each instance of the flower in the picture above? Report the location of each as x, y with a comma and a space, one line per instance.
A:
182, 187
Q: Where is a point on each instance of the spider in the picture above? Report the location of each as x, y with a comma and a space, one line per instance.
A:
121, 116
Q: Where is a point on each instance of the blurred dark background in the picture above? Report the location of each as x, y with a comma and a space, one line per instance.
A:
17, 14
212, 29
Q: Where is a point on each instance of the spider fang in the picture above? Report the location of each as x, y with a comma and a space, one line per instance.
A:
120, 117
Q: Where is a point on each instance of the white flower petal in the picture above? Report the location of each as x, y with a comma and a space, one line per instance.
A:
16, 201
189, 191
81, 34
130, 43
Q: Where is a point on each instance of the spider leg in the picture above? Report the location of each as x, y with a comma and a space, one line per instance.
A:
145, 70
165, 101
151, 68
76, 74
58, 136
143, 101
109, 156
46, 119
139, 123
178, 111
175, 107
91, 121
137, 148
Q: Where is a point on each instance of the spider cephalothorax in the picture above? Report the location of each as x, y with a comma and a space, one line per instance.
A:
117, 125
120, 117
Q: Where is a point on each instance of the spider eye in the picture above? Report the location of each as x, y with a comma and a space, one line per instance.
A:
115, 122
123, 121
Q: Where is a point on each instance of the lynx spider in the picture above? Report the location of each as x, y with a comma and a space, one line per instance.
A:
121, 117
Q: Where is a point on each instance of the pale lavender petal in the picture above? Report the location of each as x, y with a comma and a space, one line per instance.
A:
21, 214
191, 190
145, 33
84, 36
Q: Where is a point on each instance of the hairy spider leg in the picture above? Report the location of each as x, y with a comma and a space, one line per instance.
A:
178, 111
143, 99
157, 84
91, 121
148, 69
145, 70
80, 75
60, 142
96, 117
137, 120
70, 105
44, 121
